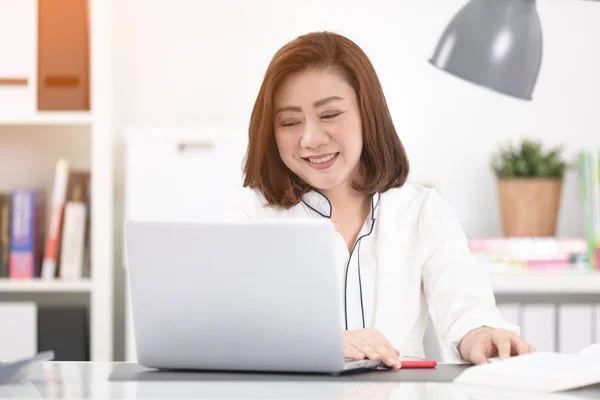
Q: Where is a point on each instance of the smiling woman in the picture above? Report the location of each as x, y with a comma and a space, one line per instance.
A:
320, 142
321, 108
322, 145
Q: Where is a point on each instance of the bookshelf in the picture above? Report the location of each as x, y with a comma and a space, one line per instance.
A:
45, 286
30, 144
546, 282
48, 118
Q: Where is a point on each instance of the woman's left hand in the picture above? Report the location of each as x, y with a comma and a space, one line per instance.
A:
483, 343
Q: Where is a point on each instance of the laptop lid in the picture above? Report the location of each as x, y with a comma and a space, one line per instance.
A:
235, 295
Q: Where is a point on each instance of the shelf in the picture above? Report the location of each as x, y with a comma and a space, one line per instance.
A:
546, 282
49, 118
45, 286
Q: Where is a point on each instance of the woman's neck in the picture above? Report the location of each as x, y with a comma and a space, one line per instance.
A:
347, 202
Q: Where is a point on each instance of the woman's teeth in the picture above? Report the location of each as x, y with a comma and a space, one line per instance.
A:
322, 160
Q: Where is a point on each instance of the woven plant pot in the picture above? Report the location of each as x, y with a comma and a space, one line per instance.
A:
529, 206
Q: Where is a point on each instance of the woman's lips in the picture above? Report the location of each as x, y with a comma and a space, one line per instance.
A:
321, 161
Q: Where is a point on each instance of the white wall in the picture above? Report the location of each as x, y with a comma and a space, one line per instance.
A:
200, 61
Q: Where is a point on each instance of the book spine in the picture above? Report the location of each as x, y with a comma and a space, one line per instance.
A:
73, 241
51, 251
22, 248
596, 207
595, 202
586, 169
4, 234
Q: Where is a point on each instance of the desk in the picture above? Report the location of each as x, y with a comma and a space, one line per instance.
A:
90, 380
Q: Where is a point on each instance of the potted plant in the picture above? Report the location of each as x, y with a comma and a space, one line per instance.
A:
529, 188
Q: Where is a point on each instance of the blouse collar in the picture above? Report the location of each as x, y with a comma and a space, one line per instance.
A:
319, 203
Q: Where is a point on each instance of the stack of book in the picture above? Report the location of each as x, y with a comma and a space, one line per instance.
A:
531, 254
34, 246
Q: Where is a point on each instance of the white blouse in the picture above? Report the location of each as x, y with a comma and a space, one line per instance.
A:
411, 259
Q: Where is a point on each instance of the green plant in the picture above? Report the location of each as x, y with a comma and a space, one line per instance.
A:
528, 159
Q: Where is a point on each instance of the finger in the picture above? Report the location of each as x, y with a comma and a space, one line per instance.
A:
478, 355
354, 353
397, 352
388, 355
367, 349
519, 346
532, 348
502, 343
376, 338
384, 348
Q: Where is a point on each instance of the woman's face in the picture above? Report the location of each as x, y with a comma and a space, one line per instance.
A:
318, 128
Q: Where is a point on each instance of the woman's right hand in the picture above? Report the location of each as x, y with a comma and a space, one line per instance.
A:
370, 343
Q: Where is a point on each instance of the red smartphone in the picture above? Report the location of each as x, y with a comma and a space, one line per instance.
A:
418, 363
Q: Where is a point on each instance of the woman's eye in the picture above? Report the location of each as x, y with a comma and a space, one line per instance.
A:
289, 123
330, 116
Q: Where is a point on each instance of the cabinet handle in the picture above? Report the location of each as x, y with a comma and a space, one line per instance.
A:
13, 81
63, 81
194, 146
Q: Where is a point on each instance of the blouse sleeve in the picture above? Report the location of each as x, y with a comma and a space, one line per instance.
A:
457, 286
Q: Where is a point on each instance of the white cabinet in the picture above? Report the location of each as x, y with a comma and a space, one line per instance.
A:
19, 328
576, 330
179, 174
18, 57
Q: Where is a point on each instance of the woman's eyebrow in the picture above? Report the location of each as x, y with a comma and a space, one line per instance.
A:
316, 104
326, 100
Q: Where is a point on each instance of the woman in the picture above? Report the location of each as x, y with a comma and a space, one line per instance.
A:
322, 145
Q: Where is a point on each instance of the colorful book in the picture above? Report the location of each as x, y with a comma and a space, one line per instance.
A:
588, 214
4, 234
596, 205
51, 251
534, 253
26, 240
69, 185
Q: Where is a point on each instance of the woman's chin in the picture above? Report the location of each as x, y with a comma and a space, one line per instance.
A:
324, 185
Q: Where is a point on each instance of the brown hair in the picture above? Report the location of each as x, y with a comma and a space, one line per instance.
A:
383, 162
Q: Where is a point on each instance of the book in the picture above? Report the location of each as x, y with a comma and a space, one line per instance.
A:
70, 185
533, 253
537, 372
4, 234
27, 234
596, 206
51, 251
588, 213
74, 241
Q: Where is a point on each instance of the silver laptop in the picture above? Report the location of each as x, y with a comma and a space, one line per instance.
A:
237, 296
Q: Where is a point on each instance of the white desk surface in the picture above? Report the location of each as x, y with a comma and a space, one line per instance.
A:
80, 380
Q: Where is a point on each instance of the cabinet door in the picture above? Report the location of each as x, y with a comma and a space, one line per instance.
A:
182, 175
539, 326
18, 338
18, 57
63, 55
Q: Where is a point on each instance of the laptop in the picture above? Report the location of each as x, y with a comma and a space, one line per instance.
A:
237, 296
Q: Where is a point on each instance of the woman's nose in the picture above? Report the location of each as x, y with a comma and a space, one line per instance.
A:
313, 136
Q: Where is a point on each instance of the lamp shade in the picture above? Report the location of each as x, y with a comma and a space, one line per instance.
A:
494, 43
